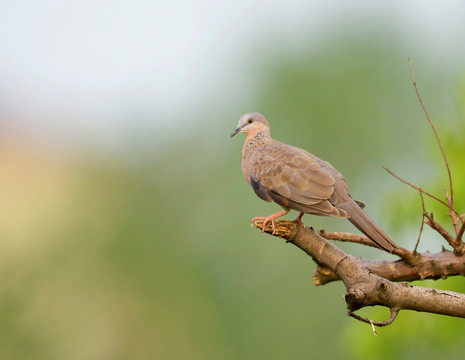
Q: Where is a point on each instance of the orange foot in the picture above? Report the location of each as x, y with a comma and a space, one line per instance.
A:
270, 218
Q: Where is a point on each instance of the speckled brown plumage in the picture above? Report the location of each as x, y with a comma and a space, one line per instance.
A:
296, 179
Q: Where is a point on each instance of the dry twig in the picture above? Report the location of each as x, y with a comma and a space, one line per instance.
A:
394, 312
420, 190
363, 240
435, 133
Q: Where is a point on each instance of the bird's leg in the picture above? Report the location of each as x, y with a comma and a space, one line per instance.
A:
270, 218
298, 219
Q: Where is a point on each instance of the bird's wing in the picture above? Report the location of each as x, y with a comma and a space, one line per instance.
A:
292, 178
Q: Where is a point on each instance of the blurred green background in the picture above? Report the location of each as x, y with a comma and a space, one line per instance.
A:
125, 216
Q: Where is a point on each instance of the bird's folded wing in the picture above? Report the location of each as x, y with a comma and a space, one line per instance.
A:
292, 177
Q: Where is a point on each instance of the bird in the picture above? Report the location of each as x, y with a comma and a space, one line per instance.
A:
295, 179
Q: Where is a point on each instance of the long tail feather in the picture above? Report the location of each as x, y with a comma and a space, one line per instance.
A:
366, 225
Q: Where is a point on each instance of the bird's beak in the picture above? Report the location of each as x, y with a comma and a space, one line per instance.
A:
236, 131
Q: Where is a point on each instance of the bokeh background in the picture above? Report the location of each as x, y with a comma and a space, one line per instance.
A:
124, 218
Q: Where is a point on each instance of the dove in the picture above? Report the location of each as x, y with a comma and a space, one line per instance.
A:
295, 179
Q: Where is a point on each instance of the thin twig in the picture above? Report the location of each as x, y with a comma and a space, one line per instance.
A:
421, 190
349, 237
394, 312
363, 240
435, 133
422, 222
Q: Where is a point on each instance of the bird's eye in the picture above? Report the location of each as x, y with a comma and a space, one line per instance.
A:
250, 121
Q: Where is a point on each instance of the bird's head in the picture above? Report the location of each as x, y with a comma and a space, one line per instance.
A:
252, 124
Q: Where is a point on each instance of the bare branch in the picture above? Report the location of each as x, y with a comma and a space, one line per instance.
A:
345, 236
426, 266
364, 288
363, 240
435, 134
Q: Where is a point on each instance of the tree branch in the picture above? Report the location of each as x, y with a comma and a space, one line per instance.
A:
364, 287
427, 266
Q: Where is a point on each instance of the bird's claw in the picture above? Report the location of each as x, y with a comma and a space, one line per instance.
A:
265, 221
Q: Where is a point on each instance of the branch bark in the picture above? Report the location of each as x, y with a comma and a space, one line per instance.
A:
363, 285
427, 266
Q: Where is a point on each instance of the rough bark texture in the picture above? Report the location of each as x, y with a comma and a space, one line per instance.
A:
370, 283
427, 266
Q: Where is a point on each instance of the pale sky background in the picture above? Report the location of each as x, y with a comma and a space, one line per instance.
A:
85, 68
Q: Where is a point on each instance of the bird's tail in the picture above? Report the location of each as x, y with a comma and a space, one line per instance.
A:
366, 225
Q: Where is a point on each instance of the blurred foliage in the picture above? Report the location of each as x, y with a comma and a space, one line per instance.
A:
110, 258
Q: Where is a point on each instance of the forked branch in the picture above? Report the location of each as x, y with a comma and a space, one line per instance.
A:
365, 288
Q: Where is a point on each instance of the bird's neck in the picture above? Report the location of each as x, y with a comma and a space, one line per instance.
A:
254, 141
